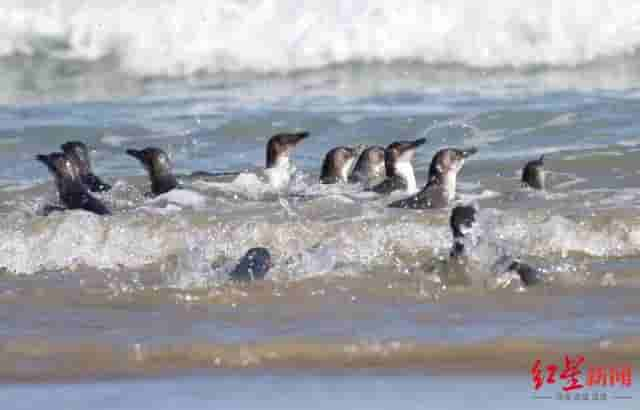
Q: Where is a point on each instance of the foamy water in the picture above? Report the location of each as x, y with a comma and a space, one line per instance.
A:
285, 36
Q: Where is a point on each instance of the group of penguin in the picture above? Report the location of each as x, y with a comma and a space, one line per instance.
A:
380, 170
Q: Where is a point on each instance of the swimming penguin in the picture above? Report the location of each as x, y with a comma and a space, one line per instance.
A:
158, 165
77, 151
399, 169
441, 186
533, 174
370, 166
337, 164
254, 265
278, 170
461, 222
72, 192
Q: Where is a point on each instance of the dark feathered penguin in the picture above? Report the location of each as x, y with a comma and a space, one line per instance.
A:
461, 222
158, 165
77, 151
72, 192
533, 174
254, 265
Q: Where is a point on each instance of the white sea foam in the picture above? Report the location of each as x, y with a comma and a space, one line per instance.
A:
180, 197
302, 247
165, 37
115, 140
247, 184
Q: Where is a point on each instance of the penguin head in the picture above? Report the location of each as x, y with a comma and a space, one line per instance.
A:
60, 166
462, 220
78, 152
255, 264
337, 163
449, 161
370, 164
533, 174
280, 145
155, 160
400, 152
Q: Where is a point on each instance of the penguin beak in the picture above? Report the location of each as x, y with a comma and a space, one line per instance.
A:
466, 153
136, 154
47, 161
418, 142
44, 159
297, 137
411, 146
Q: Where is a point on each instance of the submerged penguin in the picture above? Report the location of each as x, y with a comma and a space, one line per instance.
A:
370, 166
533, 174
461, 221
441, 186
158, 165
337, 164
399, 169
77, 151
72, 192
254, 265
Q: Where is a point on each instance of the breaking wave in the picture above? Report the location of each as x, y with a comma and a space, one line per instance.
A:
168, 38
303, 248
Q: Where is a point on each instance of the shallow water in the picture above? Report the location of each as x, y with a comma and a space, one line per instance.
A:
291, 390
355, 284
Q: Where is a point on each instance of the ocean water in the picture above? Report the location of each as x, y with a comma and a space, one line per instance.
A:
94, 308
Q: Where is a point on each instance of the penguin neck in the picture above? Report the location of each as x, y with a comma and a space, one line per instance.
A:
162, 182
279, 160
447, 181
343, 175
404, 171
365, 171
534, 178
278, 172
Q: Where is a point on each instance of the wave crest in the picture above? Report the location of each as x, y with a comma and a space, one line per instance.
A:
165, 38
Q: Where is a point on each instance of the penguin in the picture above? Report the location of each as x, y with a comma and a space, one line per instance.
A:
278, 168
461, 222
158, 165
533, 174
441, 186
71, 191
370, 167
77, 151
337, 164
399, 169
254, 265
